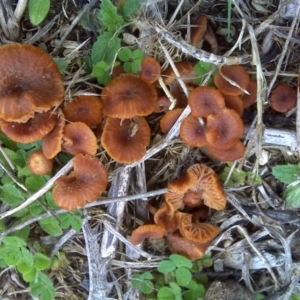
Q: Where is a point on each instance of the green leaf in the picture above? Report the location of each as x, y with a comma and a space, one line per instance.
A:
146, 286
262, 296
125, 54
147, 275
34, 182
189, 295
136, 280
101, 71
8, 142
23, 267
292, 195
13, 241
42, 288
62, 64
2, 226
51, 226
108, 16
286, 173
41, 261
38, 10
27, 256
293, 297
176, 290
181, 261
17, 157
130, 8
35, 209
166, 266
138, 55
11, 195
11, 254
183, 276
105, 48
30, 275
21, 233
165, 293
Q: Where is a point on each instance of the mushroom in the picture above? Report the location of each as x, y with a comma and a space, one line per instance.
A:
236, 74
33, 130
151, 231
85, 109
224, 130
198, 31
193, 132
79, 138
128, 96
205, 100
185, 70
283, 98
38, 164
150, 69
30, 82
52, 141
126, 140
249, 99
166, 218
169, 119
86, 183
162, 105
235, 102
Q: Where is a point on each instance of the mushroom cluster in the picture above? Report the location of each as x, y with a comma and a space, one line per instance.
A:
215, 120
127, 99
186, 201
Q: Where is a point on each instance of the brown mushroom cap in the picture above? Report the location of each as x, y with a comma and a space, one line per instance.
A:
126, 140
33, 130
234, 153
86, 183
85, 109
251, 98
52, 141
169, 119
205, 100
224, 130
150, 69
198, 31
29, 82
234, 102
38, 164
283, 98
180, 245
174, 200
166, 218
128, 96
184, 68
79, 138
151, 231
162, 105
235, 73
192, 132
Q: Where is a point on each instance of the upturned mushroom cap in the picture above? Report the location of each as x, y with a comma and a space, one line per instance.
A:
283, 98
33, 130
126, 140
85, 184
30, 82
151, 231
224, 130
234, 153
166, 218
174, 200
38, 164
180, 245
169, 119
193, 132
85, 109
79, 138
236, 73
52, 141
205, 100
150, 69
128, 96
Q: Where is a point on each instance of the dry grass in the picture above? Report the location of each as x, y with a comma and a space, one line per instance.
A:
261, 248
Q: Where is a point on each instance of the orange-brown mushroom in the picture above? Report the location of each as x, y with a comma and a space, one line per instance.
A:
235, 102
52, 141
224, 130
237, 74
283, 98
30, 82
185, 70
205, 100
126, 140
163, 103
151, 231
33, 130
38, 164
169, 119
166, 218
198, 31
231, 154
193, 132
128, 96
150, 69
79, 138
85, 109
85, 184
249, 99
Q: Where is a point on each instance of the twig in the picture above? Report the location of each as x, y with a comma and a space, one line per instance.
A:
19, 11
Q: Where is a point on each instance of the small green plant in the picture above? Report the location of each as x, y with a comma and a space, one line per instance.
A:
131, 59
38, 10
289, 174
176, 278
201, 69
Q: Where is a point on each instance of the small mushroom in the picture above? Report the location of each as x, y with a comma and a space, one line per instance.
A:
249, 99
169, 119
151, 231
235, 102
283, 98
85, 184
150, 69
38, 164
